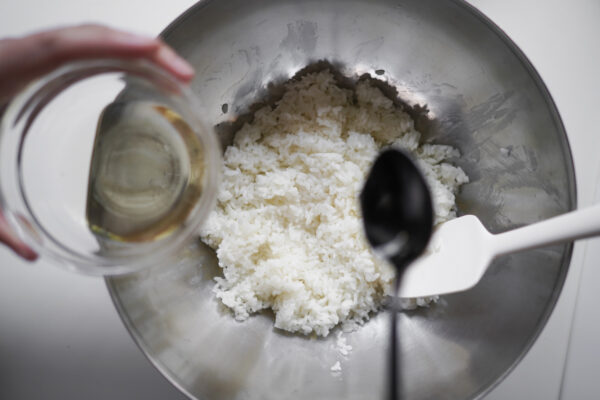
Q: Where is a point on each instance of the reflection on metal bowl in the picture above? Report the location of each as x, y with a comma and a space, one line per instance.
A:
469, 86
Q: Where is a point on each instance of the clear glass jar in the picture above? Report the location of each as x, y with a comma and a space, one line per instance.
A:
106, 166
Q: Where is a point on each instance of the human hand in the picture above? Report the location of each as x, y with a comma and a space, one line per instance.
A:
25, 59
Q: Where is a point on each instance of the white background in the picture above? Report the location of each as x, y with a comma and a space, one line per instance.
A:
60, 337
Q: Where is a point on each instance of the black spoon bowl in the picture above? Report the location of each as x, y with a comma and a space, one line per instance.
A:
398, 220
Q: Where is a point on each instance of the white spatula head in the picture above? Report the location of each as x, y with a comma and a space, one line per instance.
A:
458, 255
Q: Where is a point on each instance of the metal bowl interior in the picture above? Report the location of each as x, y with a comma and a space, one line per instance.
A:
470, 87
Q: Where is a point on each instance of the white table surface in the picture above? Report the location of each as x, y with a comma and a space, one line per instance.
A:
60, 337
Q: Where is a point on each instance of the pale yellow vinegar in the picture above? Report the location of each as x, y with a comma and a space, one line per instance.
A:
146, 173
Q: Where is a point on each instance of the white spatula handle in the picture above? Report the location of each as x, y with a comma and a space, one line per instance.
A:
577, 224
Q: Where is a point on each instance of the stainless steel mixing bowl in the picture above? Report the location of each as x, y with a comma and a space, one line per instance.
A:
477, 92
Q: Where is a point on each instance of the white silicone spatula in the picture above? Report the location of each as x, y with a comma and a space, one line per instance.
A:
462, 249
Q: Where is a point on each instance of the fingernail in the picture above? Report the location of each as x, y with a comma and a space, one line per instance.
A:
182, 66
177, 64
27, 253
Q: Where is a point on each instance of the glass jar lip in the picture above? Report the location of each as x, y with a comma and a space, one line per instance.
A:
34, 234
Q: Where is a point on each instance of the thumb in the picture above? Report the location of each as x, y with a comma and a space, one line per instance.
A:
12, 241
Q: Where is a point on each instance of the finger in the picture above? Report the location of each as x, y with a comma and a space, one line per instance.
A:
35, 55
8, 238
91, 41
166, 58
94, 41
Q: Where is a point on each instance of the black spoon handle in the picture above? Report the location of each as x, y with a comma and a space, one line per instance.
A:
395, 380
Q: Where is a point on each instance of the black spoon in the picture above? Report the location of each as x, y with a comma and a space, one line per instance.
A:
398, 219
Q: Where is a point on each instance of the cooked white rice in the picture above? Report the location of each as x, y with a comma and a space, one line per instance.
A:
287, 228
